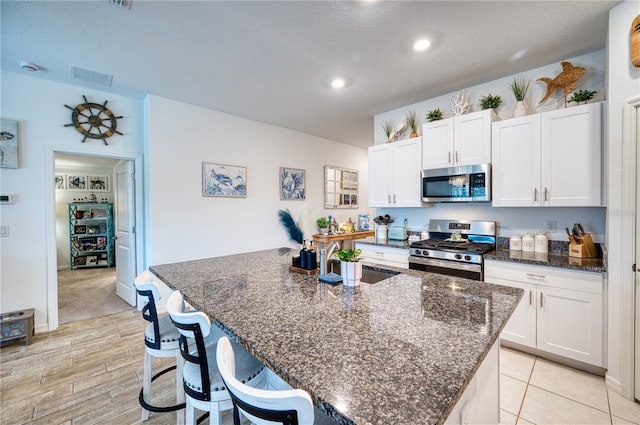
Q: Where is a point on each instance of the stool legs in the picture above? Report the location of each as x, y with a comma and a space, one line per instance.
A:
146, 383
179, 388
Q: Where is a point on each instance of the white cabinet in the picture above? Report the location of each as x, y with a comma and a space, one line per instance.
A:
561, 312
394, 174
384, 255
460, 140
549, 159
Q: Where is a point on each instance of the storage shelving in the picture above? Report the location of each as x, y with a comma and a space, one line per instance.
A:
91, 235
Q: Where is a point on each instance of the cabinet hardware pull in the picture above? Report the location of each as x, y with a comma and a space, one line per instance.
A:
449, 157
538, 276
394, 198
379, 253
546, 195
530, 298
457, 158
535, 194
388, 198
541, 300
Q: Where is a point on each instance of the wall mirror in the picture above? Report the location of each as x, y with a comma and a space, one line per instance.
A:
340, 187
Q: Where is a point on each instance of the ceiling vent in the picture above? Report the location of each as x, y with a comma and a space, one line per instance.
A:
89, 75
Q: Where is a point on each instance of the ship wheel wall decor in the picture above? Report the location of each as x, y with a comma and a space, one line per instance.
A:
93, 121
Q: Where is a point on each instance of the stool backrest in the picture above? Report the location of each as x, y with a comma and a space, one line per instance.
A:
146, 287
289, 407
194, 326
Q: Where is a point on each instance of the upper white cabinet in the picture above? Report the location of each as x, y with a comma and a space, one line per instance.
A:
460, 140
549, 159
394, 174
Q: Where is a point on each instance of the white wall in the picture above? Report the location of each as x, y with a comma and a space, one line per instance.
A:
184, 225
623, 84
38, 106
64, 197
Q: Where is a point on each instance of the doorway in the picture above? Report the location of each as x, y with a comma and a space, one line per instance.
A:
99, 289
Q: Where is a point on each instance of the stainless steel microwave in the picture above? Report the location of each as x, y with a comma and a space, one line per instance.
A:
466, 183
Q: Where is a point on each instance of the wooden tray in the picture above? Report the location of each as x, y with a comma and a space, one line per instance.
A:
303, 271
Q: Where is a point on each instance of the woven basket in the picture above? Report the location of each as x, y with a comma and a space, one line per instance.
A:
635, 42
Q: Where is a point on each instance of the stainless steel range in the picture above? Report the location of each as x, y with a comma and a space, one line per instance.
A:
454, 248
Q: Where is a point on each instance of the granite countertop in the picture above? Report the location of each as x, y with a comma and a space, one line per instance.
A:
558, 256
400, 351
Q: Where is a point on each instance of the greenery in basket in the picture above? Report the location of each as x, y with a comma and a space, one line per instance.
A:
413, 122
582, 96
490, 102
519, 87
349, 255
322, 223
434, 115
387, 127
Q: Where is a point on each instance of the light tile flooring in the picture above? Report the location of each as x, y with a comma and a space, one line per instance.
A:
536, 391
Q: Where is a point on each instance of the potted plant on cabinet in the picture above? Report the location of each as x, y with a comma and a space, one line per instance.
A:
350, 266
490, 102
387, 127
435, 115
581, 96
519, 87
413, 123
323, 224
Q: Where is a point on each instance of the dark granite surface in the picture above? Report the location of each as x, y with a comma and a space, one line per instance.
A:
400, 351
558, 256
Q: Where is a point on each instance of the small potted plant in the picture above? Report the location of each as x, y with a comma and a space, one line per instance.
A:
350, 266
323, 224
413, 123
435, 115
519, 87
581, 96
387, 127
490, 102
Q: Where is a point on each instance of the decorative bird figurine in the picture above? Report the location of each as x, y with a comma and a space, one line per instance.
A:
398, 131
567, 79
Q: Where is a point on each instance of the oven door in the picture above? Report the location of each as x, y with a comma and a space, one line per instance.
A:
446, 267
471, 183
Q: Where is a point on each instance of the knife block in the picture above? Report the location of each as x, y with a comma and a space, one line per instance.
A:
585, 248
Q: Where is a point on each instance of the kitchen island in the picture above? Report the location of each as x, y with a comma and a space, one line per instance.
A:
400, 351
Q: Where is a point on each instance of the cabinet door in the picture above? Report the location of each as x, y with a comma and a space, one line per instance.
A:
472, 138
521, 327
437, 144
406, 173
570, 324
380, 165
516, 162
572, 156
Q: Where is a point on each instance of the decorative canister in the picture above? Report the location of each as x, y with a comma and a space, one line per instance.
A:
515, 243
528, 243
381, 232
541, 243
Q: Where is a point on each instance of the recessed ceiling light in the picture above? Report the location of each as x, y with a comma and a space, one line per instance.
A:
338, 83
421, 44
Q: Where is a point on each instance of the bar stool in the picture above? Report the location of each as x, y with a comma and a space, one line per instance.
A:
161, 339
202, 382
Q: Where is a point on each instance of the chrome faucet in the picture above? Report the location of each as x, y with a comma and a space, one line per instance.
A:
325, 255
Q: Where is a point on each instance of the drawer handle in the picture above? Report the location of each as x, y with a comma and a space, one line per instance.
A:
536, 276
380, 253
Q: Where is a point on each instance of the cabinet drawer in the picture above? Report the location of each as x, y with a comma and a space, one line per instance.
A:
396, 257
545, 276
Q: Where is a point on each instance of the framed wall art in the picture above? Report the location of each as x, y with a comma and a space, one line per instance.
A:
292, 184
76, 182
98, 183
8, 144
60, 181
224, 180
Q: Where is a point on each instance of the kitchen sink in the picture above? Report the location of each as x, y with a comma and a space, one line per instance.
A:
369, 274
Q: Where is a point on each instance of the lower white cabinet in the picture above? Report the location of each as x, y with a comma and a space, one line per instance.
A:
561, 312
383, 255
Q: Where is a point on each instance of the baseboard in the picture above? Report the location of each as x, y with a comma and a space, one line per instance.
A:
60, 268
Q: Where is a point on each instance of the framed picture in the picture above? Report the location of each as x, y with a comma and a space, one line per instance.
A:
92, 260
60, 181
80, 229
76, 182
8, 144
292, 184
98, 183
98, 212
102, 242
79, 261
224, 180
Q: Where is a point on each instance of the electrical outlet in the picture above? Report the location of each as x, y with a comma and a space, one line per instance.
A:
551, 226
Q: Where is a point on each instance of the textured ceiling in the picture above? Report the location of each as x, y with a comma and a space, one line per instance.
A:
271, 61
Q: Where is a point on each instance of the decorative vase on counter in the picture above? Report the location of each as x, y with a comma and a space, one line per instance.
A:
351, 273
521, 109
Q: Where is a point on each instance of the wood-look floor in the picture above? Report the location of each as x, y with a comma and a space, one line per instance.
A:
85, 372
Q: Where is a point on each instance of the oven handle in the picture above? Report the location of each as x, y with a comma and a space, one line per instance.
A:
445, 264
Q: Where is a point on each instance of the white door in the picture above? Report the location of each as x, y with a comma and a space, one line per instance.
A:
380, 175
522, 326
406, 173
125, 231
437, 144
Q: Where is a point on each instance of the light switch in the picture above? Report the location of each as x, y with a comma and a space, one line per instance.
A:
4, 230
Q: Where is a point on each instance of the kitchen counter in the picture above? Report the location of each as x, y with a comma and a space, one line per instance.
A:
401, 351
385, 242
552, 259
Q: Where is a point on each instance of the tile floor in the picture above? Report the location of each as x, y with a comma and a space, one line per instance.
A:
536, 391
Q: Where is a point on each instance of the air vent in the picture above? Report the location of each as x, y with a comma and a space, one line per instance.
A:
89, 75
